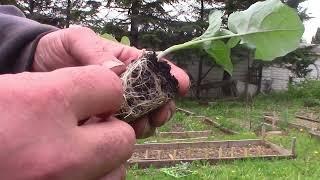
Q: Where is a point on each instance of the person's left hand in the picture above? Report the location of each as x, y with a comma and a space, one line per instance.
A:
81, 46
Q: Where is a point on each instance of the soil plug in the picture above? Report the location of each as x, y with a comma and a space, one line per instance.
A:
147, 84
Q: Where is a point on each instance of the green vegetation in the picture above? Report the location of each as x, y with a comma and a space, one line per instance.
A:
237, 115
270, 27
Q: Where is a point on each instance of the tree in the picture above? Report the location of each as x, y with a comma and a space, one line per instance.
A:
62, 13
316, 37
7, 2
140, 18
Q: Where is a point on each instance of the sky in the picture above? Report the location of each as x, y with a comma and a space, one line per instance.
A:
313, 8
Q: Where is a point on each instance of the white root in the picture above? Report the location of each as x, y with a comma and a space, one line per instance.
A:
136, 104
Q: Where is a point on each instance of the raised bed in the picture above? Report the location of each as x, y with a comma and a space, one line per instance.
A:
315, 134
169, 154
299, 123
310, 125
207, 121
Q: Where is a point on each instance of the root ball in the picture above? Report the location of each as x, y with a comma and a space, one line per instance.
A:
147, 84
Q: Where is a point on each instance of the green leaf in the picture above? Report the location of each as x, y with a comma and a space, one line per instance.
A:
232, 42
273, 28
125, 40
109, 37
223, 32
215, 22
220, 52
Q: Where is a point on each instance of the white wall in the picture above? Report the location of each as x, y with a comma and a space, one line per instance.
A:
275, 79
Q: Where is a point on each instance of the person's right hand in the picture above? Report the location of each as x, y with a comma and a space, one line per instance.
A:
39, 135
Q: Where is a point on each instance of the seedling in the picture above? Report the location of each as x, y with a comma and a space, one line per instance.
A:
270, 28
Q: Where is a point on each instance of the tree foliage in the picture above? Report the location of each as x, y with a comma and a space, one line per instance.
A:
146, 22
62, 13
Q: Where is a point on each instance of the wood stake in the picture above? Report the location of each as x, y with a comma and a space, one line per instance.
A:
220, 152
245, 152
206, 153
171, 157
273, 124
293, 146
263, 131
147, 154
232, 152
159, 154
189, 153
259, 150
174, 154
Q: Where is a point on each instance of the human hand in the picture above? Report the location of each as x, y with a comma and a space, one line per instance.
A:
81, 46
39, 135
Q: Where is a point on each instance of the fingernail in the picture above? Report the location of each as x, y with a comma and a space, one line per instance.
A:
112, 63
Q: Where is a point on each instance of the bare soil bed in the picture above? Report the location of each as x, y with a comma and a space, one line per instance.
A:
185, 153
166, 154
307, 124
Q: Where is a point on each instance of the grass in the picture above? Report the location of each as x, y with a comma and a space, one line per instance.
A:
237, 116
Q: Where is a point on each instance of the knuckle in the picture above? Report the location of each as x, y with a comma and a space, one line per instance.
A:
99, 82
81, 29
107, 79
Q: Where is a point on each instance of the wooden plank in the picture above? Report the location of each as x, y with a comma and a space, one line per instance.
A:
307, 119
185, 134
219, 126
279, 149
185, 111
198, 116
201, 144
177, 140
167, 163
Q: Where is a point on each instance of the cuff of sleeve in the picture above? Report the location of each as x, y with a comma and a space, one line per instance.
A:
31, 49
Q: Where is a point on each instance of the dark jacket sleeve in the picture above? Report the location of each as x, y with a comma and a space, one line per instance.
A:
19, 37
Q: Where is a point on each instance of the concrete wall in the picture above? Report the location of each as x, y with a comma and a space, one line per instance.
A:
275, 79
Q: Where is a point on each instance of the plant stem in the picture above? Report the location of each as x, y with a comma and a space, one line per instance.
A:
193, 42
190, 43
